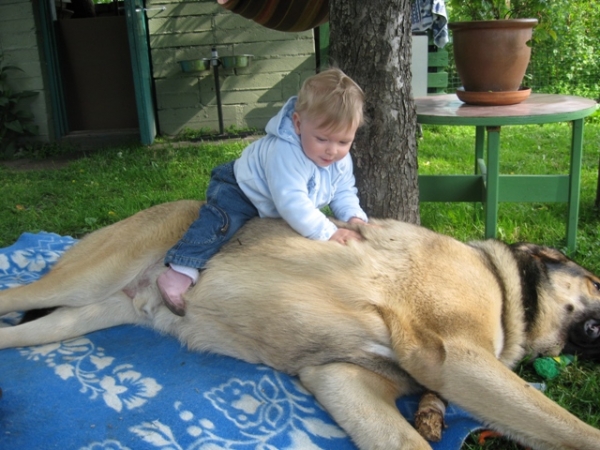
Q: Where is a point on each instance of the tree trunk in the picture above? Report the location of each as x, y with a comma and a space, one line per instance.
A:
371, 42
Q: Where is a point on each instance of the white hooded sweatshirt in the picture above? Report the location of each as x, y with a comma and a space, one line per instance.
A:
282, 182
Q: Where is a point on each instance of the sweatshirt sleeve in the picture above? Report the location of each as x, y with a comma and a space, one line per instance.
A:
345, 204
287, 174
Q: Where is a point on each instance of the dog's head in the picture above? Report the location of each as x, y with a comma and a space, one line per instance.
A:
562, 302
582, 335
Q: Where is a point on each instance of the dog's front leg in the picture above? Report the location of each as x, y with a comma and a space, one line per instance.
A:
475, 380
363, 404
69, 322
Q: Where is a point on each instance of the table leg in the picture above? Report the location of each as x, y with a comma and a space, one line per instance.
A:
492, 180
479, 143
597, 201
574, 183
480, 168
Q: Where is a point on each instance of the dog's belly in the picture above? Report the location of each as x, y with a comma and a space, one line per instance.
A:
284, 327
285, 340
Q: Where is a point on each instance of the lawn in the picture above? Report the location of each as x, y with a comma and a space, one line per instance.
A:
100, 188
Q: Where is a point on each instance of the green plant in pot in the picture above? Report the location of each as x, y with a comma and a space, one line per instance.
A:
492, 51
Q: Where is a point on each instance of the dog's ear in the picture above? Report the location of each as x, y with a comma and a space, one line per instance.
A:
545, 255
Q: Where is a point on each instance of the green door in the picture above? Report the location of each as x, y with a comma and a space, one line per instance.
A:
142, 74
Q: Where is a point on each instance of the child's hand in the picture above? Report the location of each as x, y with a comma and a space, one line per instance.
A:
357, 220
343, 235
362, 222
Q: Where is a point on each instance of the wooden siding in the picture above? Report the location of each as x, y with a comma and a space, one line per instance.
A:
249, 96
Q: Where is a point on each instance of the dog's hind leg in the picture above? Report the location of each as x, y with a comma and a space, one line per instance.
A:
106, 261
73, 284
69, 322
363, 403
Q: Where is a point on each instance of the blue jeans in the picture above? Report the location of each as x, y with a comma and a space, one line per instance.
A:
226, 210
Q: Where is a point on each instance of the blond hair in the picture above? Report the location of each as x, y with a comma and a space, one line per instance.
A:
333, 99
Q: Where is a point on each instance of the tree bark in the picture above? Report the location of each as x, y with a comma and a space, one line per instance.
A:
371, 42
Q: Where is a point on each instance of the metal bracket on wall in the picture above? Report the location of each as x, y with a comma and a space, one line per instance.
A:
158, 8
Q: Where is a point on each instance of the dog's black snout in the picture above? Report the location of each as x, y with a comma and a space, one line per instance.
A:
592, 328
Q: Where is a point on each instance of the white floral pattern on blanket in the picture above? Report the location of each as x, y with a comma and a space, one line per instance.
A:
262, 409
79, 358
130, 388
23, 265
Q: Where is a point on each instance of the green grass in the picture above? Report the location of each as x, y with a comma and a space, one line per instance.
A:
112, 184
106, 186
524, 150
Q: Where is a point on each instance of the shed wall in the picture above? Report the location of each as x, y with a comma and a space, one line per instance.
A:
249, 96
19, 44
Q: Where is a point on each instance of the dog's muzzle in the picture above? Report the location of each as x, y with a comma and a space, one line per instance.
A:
584, 339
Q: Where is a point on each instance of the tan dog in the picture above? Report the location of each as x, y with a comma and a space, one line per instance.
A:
361, 324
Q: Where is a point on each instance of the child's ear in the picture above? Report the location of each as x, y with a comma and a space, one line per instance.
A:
296, 121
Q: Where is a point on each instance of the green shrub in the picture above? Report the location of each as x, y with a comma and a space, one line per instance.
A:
14, 121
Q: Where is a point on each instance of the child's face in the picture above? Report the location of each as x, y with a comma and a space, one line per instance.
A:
323, 146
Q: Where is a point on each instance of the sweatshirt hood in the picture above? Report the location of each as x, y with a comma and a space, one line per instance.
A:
281, 125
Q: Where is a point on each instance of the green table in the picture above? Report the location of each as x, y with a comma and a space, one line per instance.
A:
487, 185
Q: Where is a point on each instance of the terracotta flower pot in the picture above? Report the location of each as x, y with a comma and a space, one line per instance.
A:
492, 56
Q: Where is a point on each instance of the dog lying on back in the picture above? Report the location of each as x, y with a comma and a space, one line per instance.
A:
360, 325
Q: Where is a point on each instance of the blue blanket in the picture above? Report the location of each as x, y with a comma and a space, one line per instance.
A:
132, 388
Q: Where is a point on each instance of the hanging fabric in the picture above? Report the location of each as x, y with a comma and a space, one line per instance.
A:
281, 15
431, 15
302, 15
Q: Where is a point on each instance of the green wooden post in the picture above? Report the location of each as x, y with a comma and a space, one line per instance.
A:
142, 74
492, 181
479, 143
57, 97
323, 61
574, 183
